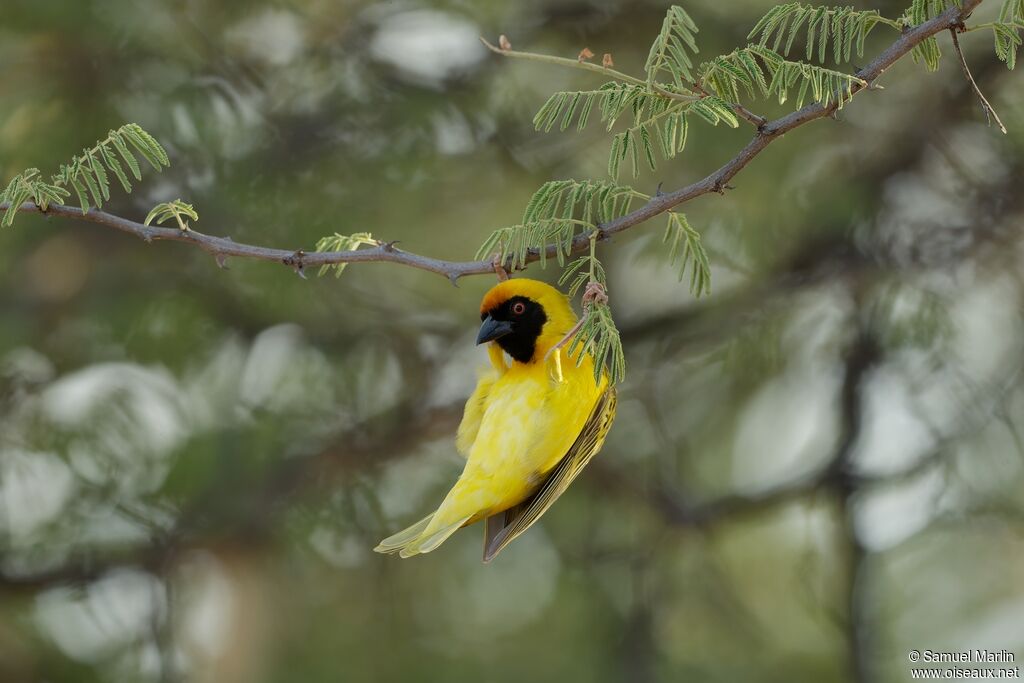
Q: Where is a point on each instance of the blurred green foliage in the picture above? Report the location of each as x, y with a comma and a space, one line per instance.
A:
813, 471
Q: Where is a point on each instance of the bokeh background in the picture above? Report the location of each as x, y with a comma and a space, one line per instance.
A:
813, 471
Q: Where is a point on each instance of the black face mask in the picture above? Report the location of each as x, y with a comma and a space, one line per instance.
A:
515, 326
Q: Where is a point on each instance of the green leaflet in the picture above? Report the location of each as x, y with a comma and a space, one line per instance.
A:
177, 209
1006, 32
339, 242
759, 71
927, 51
687, 251
844, 28
87, 174
670, 53
558, 212
29, 186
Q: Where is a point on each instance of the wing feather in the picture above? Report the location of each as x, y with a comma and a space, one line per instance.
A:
587, 444
473, 414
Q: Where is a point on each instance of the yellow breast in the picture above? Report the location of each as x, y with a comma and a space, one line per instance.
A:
530, 421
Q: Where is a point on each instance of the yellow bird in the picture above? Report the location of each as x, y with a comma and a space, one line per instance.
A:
531, 425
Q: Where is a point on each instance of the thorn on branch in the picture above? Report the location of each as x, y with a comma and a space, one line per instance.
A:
721, 186
503, 42
389, 246
607, 61
585, 54
222, 261
658, 192
297, 263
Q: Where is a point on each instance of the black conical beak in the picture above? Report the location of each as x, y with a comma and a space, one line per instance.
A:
492, 329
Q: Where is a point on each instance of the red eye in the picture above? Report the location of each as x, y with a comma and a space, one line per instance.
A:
519, 308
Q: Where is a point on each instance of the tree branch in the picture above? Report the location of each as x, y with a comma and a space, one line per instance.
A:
223, 247
717, 181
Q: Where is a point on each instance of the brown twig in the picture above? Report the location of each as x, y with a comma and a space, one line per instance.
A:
990, 113
753, 119
221, 247
564, 61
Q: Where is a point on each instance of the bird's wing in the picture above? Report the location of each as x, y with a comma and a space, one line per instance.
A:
474, 412
503, 528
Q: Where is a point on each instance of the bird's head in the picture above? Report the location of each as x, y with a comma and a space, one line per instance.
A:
525, 318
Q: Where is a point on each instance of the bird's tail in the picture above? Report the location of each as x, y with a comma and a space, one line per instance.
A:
419, 538
392, 544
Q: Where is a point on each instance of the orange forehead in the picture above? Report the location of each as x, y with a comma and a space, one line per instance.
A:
494, 298
531, 289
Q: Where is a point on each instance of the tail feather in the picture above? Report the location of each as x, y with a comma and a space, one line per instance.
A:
392, 544
424, 544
